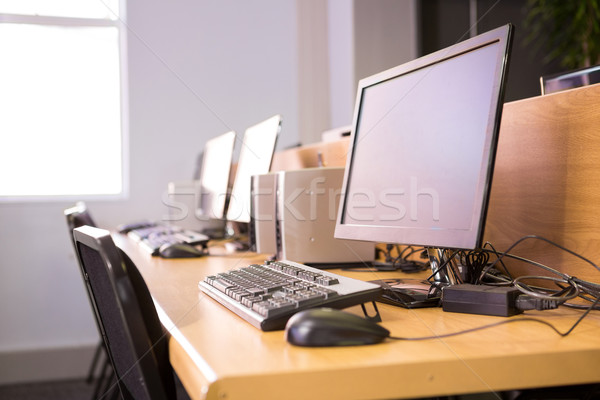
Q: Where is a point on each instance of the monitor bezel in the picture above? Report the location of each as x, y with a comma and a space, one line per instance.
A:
243, 192
393, 234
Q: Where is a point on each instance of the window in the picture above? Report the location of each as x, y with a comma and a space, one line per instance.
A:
62, 130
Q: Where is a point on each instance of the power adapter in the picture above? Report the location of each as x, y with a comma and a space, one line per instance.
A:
481, 299
502, 301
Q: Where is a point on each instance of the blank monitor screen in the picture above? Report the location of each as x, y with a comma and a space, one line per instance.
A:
255, 158
423, 144
214, 175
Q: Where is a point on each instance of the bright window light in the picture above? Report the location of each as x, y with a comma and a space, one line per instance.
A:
103, 9
61, 129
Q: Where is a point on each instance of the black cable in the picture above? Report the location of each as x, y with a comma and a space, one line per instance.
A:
584, 287
579, 306
567, 293
497, 256
402, 262
588, 287
574, 286
482, 327
506, 321
474, 261
443, 265
506, 253
528, 261
411, 250
401, 252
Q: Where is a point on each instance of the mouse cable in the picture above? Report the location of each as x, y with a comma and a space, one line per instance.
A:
508, 321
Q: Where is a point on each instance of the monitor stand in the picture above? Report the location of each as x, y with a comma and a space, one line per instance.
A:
236, 236
449, 275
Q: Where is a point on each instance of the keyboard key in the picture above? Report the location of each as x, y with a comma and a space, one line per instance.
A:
221, 284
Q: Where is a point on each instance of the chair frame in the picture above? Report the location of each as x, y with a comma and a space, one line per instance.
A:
77, 216
131, 312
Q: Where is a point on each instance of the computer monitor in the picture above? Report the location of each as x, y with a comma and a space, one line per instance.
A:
570, 80
214, 176
423, 144
255, 158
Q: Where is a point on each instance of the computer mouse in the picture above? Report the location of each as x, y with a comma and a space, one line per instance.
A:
179, 250
320, 327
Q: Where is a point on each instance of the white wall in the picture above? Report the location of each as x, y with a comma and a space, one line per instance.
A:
385, 35
341, 65
196, 69
357, 39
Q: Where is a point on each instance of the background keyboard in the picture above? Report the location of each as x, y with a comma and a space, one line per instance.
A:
152, 238
267, 295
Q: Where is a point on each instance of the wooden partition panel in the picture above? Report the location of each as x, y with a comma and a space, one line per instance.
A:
333, 154
547, 180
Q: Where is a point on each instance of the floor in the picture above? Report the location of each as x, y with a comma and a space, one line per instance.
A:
66, 390
80, 390
60, 390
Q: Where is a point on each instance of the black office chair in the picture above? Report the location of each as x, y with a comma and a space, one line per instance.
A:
134, 337
77, 216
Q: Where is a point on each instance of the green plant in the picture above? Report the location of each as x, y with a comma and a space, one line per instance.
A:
566, 30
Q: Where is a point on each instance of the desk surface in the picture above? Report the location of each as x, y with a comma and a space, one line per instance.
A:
218, 355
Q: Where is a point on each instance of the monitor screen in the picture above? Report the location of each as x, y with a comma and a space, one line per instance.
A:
214, 175
255, 158
422, 148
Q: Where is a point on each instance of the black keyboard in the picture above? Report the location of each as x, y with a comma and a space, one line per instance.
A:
267, 295
152, 238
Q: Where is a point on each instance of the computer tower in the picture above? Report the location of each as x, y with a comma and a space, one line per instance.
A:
262, 230
302, 219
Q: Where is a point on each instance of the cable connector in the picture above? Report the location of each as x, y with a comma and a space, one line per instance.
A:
526, 302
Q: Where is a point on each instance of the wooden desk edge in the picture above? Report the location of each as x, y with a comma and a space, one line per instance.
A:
193, 371
416, 380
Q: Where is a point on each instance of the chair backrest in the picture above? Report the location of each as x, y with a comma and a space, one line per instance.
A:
130, 327
78, 215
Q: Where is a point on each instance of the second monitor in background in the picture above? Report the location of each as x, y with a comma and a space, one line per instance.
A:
255, 158
214, 176
200, 204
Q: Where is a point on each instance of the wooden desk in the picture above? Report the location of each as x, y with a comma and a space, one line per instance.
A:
217, 355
